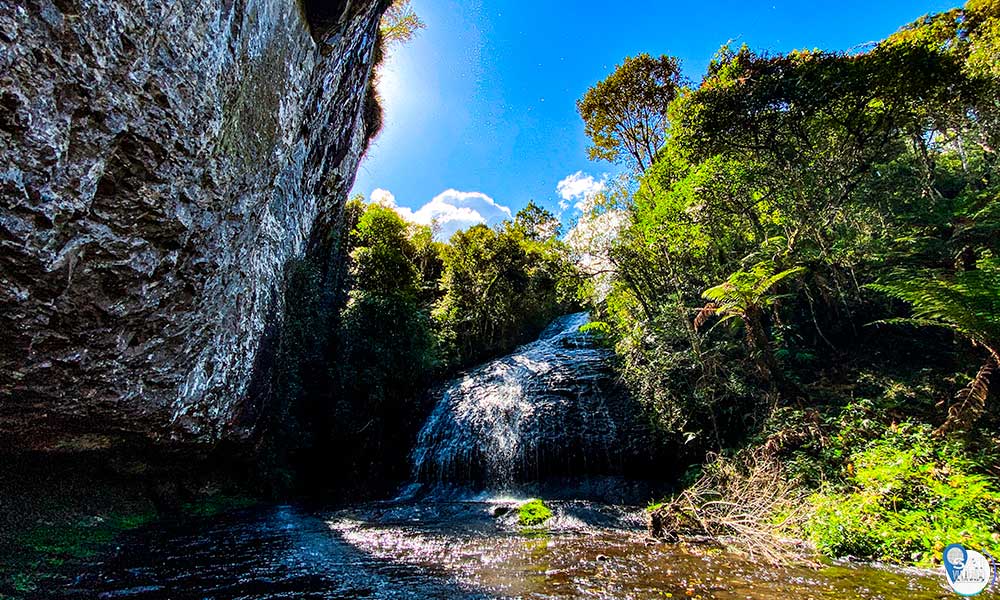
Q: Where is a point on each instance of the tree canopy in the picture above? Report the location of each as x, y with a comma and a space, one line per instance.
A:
625, 114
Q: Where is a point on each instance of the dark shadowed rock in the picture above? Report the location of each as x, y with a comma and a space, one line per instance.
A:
160, 162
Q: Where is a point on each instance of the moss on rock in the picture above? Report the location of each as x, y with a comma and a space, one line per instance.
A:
533, 512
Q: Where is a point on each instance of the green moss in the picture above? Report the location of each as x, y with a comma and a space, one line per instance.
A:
24, 583
40, 553
533, 512
79, 540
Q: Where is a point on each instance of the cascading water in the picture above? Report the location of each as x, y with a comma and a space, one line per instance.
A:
552, 408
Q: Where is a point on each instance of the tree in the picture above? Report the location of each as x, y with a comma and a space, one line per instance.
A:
746, 296
387, 350
625, 114
400, 23
536, 223
500, 288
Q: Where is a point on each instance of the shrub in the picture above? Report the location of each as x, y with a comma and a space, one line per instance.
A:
907, 496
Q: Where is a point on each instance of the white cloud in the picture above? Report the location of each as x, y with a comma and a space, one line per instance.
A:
383, 197
452, 210
579, 188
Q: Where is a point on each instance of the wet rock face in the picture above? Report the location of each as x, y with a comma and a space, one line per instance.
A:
159, 164
553, 408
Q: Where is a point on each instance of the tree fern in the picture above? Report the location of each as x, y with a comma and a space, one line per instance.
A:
746, 295
966, 302
746, 290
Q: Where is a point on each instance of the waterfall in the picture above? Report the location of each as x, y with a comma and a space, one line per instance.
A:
552, 408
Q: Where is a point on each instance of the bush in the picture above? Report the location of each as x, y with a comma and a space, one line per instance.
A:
904, 498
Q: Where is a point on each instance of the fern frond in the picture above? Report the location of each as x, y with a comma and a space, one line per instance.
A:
911, 322
769, 282
704, 314
968, 302
970, 401
719, 293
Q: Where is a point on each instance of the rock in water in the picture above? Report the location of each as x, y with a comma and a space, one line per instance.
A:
161, 161
552, 408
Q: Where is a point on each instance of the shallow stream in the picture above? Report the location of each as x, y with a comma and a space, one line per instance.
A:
453, 550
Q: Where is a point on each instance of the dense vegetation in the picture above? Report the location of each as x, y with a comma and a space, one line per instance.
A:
364, 340
809, 268
799, 273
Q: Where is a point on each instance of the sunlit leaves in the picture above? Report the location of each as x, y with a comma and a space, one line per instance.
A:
625, 114
400, 23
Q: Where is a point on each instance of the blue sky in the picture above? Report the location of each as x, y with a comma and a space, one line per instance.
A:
480, 107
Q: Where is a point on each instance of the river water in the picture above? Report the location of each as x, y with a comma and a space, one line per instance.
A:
453, 550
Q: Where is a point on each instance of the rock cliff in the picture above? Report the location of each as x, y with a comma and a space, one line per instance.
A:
160, 162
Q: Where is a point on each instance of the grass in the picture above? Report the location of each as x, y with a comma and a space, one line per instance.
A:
533, 512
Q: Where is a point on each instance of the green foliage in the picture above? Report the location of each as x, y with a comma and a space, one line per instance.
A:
533, 512
359, 346
374, 114
966, 302
690, 394
747, 291
746, 295
381, 259
625, 115
905, 497
827, 191
386, 352
831, 170
400, 23
501, 286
